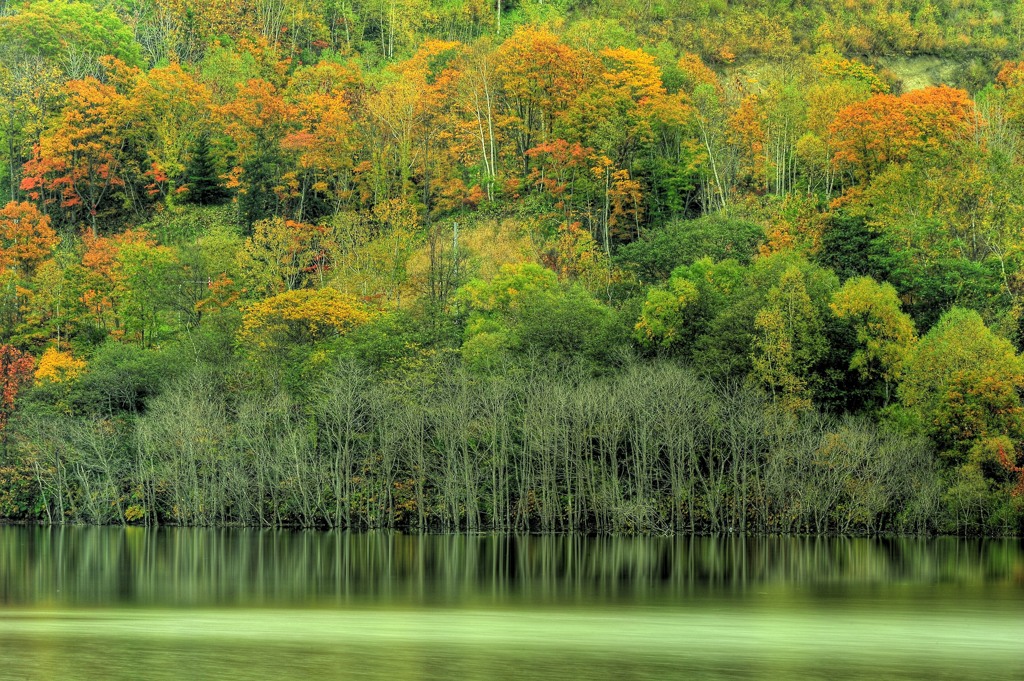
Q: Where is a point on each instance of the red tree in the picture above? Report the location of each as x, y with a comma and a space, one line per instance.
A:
15, 371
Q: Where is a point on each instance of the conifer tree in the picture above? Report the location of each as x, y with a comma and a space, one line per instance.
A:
204, 184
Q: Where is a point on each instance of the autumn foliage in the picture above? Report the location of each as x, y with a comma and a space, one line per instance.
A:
15, 372
26, 237
57, 366
296, 317
889, 129
687, 265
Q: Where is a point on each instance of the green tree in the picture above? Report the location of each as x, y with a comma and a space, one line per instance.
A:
964, 383
885, 334
683, 242
201, 175
673, 315
147, 278
790, 339
71, 34
524, 310
725, 348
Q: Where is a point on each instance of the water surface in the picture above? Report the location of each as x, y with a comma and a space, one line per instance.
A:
225, 604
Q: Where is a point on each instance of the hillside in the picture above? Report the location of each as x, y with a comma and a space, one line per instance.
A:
601, 266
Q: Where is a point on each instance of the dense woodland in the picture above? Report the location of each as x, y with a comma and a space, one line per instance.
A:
593, 265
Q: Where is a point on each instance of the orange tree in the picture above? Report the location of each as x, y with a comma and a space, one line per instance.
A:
85, 159
26, 238
888, 129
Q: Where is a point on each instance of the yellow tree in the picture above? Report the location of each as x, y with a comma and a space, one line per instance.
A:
172, 110
615, 114
283, 255
300, 317
59, 367
398, 22
411, 125
839, 83
622, 115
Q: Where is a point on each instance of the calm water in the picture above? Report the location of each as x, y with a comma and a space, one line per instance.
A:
225, 604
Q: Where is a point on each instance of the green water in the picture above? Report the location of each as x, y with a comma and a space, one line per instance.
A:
106, 603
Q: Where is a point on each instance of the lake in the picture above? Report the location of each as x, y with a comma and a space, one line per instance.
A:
168, 603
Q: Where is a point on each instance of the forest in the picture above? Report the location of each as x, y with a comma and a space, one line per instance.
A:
451, 265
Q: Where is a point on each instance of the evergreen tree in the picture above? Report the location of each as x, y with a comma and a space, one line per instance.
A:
258, 200
204, 184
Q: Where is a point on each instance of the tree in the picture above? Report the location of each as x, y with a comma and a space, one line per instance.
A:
29, 90
662, 316
711, 107
887, 129
574, 255
682, 242
843, 83
779, 113
616, 114
82, 161
55, 309
561, 170
187, 30
789, 341
885, 334
675, 314
172, 111
634, 125
282, 255
477, 101
373, 260
539, 78
941, 229
105, 282
56, 366
72, 34
15, 372
524, 309
257, 121
964, 383
147, 276
850, 248
26, 238
397, 23
396, 113
300, 318
325, 145
202, 178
